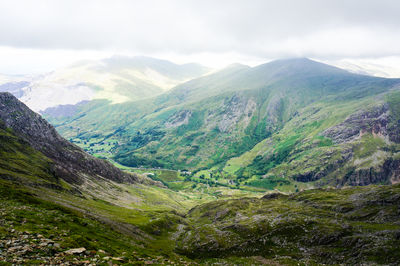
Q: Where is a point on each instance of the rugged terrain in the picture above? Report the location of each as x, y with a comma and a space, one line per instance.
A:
59, 204
350, 226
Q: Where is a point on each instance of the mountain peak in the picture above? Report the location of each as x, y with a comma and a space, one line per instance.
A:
299, 66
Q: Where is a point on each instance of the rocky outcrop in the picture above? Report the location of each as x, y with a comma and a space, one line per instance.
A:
378, 122
387, 173
274, 110
311, 169
178, 119
71, 163
235, 109
372, 121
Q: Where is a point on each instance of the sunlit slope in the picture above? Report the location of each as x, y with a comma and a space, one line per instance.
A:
328, 144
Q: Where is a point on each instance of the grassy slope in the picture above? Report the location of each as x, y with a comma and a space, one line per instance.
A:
23, 213
20, 162
191, 144
25, 178
197, 145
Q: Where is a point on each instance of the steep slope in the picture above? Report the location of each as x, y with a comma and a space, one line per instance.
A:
336, 144
69, 161
83, 216
19, 161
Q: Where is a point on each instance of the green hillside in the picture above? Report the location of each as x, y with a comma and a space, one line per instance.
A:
266, 126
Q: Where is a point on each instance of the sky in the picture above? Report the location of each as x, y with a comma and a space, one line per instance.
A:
40, 35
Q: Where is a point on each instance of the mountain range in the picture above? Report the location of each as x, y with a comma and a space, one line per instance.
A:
289, 162
288, 125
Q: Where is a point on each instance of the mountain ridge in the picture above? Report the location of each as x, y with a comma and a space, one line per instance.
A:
71, 162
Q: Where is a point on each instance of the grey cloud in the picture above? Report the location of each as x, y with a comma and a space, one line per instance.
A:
255, 28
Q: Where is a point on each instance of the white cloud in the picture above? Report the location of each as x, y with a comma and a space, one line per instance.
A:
19, 61
49, 33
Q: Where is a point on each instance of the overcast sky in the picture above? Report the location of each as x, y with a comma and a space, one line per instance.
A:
42, 35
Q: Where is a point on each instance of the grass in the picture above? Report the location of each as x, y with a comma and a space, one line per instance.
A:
19, 161
320, 221
25, 212
296, 151
367, 146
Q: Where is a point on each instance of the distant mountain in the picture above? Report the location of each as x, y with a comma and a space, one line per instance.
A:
117, 79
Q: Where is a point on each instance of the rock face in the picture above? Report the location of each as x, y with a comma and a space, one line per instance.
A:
178, 119
70, 162
383, 167
372, 121
361, 149
236, 109
387, 173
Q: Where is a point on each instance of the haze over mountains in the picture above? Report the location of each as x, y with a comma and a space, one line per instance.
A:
117, 79
121, 78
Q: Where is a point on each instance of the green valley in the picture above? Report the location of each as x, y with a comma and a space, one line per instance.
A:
274, 126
